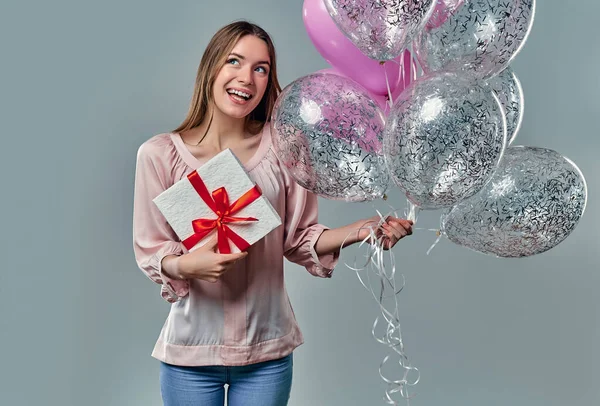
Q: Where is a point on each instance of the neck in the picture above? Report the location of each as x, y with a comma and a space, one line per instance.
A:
223, 130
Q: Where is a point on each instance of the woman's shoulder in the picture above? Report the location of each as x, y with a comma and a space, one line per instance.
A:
158, 147
156, 143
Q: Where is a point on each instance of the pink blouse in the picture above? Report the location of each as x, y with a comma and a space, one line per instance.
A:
245, 317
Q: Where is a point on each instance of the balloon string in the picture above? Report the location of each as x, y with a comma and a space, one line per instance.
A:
387, 288
414, 62
413, 212
402, 70
437, 240
389, 102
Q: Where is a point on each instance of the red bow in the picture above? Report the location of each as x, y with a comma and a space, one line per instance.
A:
219, 203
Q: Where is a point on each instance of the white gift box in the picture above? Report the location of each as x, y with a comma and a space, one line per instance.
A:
181, 203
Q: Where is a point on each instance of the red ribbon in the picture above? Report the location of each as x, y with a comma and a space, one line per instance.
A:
219, 203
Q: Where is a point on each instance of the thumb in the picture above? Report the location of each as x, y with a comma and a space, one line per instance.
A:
230, 258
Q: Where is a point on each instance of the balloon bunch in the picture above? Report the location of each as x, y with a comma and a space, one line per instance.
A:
421, 93
442, 131
507, 201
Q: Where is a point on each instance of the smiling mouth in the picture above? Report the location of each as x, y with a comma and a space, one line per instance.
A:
239, 94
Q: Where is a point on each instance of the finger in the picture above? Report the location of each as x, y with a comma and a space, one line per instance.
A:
389, 237
405, 224
224, 268
396, 228
387, 244
401, 233
212, 243
231, 258
401, 220
213, 277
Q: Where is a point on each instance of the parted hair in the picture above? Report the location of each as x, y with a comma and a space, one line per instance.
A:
213, 59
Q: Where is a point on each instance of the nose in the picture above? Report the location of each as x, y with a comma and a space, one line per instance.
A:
245, 76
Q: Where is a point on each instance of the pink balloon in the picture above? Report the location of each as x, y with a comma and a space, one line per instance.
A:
442, 11
406, 76
342, 54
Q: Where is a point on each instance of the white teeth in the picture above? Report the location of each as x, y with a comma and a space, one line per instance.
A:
238, 93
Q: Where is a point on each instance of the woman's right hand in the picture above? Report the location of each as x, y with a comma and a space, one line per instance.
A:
206, 263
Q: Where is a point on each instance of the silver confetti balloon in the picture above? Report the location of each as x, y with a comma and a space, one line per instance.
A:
328, 133
381, 29
443, 140
442, 10
479, 39
533, 202
508, 89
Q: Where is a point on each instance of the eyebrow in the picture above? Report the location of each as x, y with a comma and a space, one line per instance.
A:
242, 57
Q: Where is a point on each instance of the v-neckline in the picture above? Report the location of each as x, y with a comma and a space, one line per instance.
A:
195, 163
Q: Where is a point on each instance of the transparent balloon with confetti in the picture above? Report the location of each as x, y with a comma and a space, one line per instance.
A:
328, 133
444, 139
478, 39
381, 29
507, 87
533, 203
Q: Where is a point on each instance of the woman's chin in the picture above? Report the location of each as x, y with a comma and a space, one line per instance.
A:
235, 112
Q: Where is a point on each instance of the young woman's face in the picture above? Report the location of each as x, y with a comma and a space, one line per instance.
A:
242, 81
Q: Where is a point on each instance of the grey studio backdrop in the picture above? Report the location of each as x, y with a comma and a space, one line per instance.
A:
84, 83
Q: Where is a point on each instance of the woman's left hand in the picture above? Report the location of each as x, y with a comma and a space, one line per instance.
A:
391, 231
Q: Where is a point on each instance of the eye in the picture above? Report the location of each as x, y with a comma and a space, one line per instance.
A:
233, 61
261, 69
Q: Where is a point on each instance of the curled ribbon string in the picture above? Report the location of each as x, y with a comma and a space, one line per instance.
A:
412, 214
376, 264
390, 102
218, 202
387, 288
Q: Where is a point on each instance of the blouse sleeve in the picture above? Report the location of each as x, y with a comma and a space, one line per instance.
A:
153, 237
302, 231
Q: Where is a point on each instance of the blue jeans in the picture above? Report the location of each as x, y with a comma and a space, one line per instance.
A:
263, 384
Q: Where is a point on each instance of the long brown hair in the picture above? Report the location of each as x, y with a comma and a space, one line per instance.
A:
214, 58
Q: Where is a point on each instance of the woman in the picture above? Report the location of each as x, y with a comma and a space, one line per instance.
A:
231, 320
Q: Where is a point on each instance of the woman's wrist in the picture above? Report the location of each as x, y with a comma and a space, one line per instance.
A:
332, 240
173, 266
364, 227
